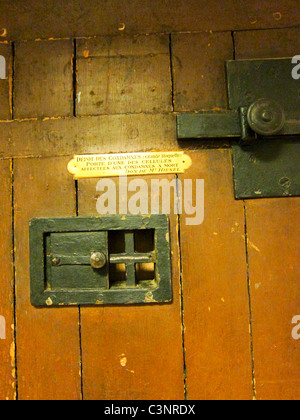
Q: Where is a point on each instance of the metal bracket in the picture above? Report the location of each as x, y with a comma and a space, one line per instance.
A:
264, 106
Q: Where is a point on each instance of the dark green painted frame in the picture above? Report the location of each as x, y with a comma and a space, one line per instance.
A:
41, 227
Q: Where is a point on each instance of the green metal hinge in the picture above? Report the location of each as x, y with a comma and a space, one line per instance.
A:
264, 118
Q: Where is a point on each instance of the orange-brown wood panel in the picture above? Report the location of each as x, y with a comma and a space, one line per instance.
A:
48, 350
43, 82
132, 352
215, 291
199, 70
123, 74
32, 19
7, 344
67, 136
273, 248
275, 43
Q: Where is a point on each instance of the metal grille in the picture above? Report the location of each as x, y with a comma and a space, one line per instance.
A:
134, 260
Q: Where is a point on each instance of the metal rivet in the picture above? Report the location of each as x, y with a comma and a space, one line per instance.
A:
285, 182
267, 116
98, 260
56, 261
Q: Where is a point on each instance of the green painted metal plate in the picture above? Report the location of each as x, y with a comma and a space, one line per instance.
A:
136, 248
270, 168
73, 250
250, 80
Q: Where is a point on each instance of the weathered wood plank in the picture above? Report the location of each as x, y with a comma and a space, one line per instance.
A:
132, 352
47, 339
273, 247
6, 84
7, 343
43, 79
199, 70
117, 75
120, 133
31, 19
275, 43
216, 309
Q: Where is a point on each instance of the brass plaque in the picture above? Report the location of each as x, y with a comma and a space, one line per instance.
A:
110, 165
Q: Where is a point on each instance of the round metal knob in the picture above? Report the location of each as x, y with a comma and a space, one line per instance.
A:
98, 260
266, 117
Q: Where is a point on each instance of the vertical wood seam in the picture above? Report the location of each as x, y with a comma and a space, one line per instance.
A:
74, 74
250, 303
172, 72
234, 46
15, 367
248, 271
77, 197
181, 297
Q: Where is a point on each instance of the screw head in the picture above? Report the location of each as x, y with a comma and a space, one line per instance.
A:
55, 261
267, 116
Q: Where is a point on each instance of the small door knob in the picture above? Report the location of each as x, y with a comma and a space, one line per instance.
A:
266, 117
98, 260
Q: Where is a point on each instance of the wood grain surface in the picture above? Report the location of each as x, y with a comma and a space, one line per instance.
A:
215, 291
273, 253
199, 72
80, 18
7, 343
117, 75
273, 247
43, 85
47, 339
132, 352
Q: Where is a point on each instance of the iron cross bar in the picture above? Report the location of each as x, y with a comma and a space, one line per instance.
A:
233, 124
